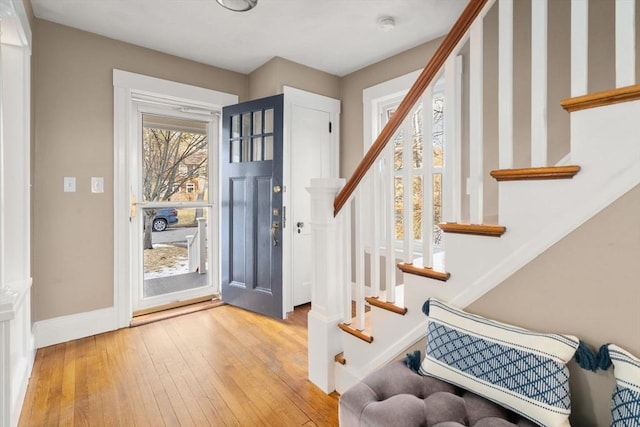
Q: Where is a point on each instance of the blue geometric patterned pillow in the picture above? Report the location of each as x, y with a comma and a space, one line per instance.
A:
521, 370
625, 402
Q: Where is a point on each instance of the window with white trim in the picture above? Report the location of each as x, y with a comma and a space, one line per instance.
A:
380, 102
414, 166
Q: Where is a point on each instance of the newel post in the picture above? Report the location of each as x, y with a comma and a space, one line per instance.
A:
326, 285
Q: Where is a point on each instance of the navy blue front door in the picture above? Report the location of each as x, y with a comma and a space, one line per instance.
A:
252, 217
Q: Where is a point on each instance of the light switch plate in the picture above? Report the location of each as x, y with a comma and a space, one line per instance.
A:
97, 184
69, 184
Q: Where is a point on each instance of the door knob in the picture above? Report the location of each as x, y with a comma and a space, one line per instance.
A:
300, 224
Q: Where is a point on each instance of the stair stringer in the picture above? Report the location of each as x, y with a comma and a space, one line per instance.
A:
537, 214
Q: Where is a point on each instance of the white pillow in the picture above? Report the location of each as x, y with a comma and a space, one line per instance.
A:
522, 370
625, 402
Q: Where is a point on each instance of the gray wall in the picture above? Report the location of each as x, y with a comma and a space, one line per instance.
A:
73, 136
270, 78
353, 84
587, 285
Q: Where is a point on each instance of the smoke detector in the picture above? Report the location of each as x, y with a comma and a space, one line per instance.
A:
386, 23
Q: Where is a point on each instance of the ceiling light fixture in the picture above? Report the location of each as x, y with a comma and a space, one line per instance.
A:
386, 23
238, 5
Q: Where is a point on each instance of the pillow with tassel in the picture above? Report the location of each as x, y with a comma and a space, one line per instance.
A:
625, 402
522, 370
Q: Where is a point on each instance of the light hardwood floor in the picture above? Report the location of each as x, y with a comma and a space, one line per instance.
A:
219, 367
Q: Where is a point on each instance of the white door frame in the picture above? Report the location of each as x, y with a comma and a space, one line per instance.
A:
292, 97
211, 205
129, 87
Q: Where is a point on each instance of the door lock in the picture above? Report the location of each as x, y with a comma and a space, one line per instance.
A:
299, 225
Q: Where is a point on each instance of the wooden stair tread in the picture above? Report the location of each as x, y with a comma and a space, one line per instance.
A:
356, 333
599, 99
340, 359
389, 306
474, 229
522, 174
424, 272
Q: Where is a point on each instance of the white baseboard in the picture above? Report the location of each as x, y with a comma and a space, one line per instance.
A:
66, 328
20, 383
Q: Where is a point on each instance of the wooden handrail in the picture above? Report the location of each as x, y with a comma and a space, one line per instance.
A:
445, 49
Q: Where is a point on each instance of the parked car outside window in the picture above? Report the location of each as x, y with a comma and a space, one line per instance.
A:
164, 218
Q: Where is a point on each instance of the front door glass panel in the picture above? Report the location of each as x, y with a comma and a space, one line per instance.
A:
175, 169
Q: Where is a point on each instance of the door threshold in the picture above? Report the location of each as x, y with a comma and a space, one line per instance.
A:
168, 311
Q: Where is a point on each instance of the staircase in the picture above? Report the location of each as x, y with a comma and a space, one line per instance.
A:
494, 221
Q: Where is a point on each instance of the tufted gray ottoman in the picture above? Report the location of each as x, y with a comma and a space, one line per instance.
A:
395, 396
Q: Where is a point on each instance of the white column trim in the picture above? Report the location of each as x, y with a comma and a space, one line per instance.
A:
16, 340
327, 289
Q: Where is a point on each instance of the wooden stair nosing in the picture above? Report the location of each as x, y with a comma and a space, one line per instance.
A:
356, 333
424, 272
522, 174
389, 306
474, 229
340, 359
600, 99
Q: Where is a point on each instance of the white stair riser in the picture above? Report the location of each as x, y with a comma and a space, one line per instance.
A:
537, 214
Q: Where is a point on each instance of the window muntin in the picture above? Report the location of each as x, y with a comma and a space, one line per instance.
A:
251, 136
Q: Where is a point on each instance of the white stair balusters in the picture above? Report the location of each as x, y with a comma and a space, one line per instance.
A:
625, 43
539, 25
579, 47
476, 123
505, 85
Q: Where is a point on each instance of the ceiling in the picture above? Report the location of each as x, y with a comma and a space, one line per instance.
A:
335, 36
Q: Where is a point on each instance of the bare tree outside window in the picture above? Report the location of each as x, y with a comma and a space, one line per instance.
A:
417, 147
172, 160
